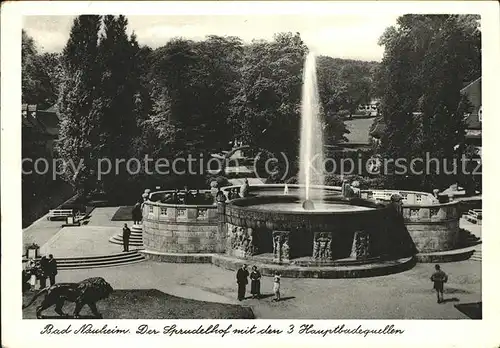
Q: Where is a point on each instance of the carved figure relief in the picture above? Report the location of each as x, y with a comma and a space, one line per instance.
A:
361, 245
322, 249
241, 238
281, 246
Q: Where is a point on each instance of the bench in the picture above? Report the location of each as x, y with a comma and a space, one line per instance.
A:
59, 213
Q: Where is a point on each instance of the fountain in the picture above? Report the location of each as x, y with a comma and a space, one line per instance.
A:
311, 137
305, 230
309, 225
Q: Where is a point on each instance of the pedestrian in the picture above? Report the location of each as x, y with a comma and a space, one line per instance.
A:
176, 196
52, 269
255, 282
136, 212
242, 280
276, 286
125, 237
220, 197
244, 189
44, 266
439, 278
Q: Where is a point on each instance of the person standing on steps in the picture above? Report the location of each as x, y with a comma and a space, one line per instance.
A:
137, 214
439, 278
52, 269
242, 280
126, 237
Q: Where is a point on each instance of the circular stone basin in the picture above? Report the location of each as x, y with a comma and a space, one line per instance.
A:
320, 207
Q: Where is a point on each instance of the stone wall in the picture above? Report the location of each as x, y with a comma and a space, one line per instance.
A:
170, 228
433, 228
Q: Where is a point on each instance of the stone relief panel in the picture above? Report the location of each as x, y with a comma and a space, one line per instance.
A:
241, 240
361, 245
281, 246
322, 246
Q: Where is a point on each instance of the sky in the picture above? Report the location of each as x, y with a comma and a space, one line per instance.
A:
339, 36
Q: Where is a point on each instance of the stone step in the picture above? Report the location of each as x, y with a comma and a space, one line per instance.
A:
132, 242
91, 266
117, 259
132, 237
328, 272
460, 254
102, 262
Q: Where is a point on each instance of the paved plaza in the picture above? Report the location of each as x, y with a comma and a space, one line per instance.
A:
406, 295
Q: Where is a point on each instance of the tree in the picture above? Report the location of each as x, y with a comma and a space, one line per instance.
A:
194, 83
79, 132
426, 61
39, 85
266, 111
115, 100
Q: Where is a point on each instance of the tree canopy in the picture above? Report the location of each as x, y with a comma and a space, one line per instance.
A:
427, 60
119, 100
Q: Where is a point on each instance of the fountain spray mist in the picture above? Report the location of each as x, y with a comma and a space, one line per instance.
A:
311, 136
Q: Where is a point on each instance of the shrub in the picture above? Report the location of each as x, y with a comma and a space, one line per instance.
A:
221, 180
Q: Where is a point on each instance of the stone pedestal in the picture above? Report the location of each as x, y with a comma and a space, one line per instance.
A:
322, 246
361, 245
281, 246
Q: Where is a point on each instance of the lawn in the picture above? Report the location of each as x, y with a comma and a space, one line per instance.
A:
123, 214
147, 304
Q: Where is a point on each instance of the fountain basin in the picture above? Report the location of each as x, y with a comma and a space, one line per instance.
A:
277, 229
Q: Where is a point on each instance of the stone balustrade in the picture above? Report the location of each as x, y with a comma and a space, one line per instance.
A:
409, 197
177, 228
237, 230
433, 227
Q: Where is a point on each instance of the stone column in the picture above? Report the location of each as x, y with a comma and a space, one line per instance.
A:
361, 245
281, 246
322, 246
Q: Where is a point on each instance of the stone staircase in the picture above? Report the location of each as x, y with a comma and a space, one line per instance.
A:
98, 261
111, 260
135, 237
478, 254
468, 238
474, 215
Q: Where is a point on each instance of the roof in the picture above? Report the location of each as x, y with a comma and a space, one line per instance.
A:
472, 122
44, 121
473, 93
378, 129
52, 109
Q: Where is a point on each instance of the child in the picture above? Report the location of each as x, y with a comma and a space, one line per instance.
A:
276, 287
439, 278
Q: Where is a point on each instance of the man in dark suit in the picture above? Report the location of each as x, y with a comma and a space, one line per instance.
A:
52, 269
242, 280
44, 266
126, 237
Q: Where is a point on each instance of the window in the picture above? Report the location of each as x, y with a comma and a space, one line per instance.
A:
150, 208
163, 211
